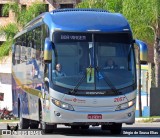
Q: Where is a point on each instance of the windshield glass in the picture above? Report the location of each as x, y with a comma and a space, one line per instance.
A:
115, 61
85, 64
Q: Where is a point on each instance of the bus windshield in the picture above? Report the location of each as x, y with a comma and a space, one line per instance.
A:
93, 62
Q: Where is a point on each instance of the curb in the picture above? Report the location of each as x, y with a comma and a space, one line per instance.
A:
9, 122
143, 120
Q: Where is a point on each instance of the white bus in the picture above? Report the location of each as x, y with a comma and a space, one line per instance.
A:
75, 67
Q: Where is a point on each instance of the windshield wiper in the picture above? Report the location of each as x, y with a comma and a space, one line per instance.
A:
74, 90
107, 81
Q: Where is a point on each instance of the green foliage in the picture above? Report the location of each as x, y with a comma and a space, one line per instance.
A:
9, 30
92, 4
142, 16
5, 48
27, 15
22, 17
110, 5
5, 10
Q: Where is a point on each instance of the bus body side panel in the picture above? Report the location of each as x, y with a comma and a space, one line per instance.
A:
20, 99
14, 98
33, 107
28, 69
28, 102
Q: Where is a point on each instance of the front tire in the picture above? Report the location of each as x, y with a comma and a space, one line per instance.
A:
48, 128
23, 123
85, 127
34, 124
75, 127
116, 128
43, 125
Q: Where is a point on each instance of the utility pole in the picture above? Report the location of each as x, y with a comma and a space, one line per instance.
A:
147, 77
139, 84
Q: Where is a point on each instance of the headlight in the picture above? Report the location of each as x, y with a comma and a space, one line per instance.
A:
62, 104
126, 105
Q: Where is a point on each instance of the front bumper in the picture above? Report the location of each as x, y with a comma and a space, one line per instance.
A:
61, 116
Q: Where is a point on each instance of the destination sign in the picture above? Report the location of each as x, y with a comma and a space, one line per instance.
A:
59, 37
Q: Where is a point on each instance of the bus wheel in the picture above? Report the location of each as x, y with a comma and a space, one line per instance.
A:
116, 128
104, 127
48, 128
34, 124
23, 123
75, 127
85, 127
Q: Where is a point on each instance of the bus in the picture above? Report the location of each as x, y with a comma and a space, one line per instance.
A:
79, 42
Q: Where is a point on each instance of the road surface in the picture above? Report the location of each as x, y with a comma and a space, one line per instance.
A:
138, 129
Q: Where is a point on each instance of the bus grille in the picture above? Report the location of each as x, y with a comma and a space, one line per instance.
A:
94, 109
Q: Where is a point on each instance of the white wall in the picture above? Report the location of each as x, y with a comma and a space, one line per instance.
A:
5, 83
6, 89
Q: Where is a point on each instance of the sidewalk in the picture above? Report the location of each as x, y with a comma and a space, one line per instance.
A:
9, 121
137, 120
146, 120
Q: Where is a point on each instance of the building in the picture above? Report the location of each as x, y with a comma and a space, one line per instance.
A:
50, 5
5, 65
5, 83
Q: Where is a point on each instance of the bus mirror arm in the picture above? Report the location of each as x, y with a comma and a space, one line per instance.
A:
46, 83
134, 41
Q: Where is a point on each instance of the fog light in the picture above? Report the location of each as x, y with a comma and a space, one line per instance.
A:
58, 114
129, 114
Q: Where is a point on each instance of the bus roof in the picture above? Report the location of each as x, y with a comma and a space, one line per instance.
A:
81, 20
88, 19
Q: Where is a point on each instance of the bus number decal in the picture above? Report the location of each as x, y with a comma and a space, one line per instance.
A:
119, 99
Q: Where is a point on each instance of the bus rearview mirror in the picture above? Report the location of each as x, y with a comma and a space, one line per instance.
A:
143, 51
48, 51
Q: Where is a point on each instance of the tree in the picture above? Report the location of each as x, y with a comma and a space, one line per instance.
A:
144, 17
8, 31
110, 5
22, 17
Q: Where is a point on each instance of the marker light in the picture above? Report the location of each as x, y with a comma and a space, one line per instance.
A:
126, 105
62, 104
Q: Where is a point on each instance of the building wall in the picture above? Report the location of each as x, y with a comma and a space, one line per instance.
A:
52, 4
6, 89
5, 83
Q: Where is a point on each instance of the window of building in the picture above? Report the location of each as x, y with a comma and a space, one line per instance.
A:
1, 96
1, 42
23, 7
1, 14
62, 6
46, 8
5, 78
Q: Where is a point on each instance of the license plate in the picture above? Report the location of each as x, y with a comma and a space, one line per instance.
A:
94, 116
